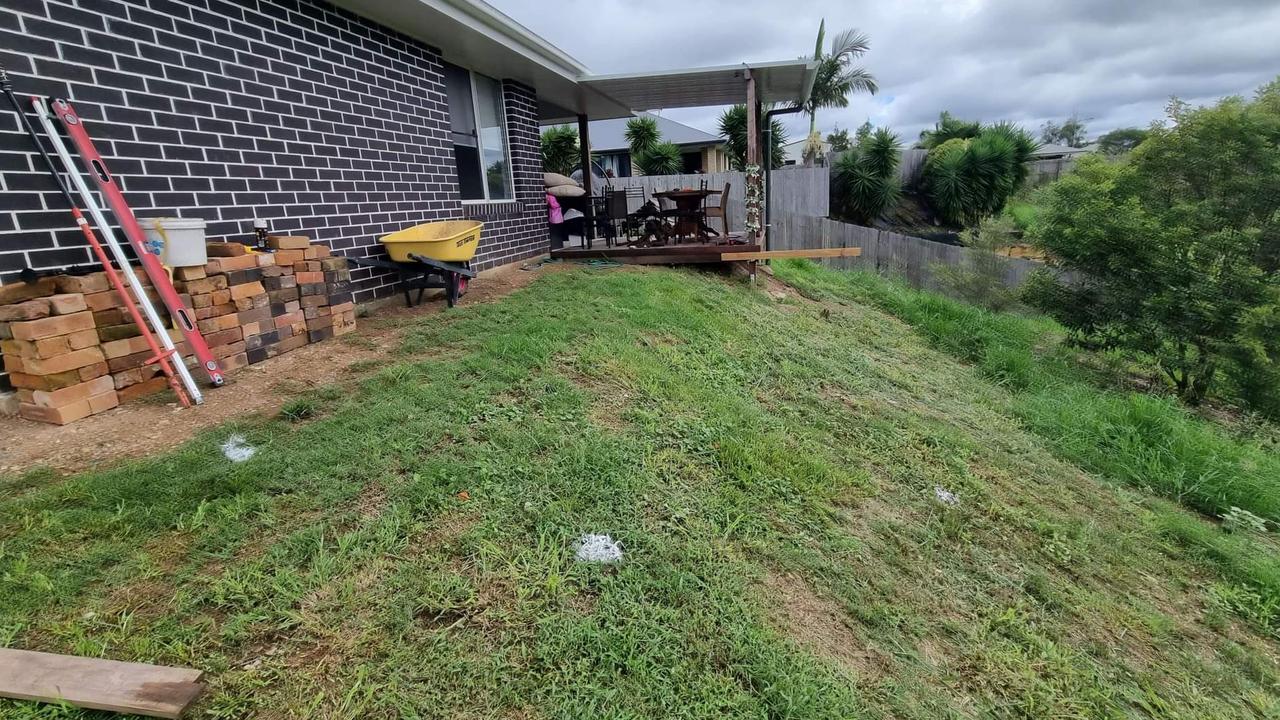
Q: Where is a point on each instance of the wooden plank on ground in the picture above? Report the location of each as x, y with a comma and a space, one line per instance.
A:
123, 687
779, 254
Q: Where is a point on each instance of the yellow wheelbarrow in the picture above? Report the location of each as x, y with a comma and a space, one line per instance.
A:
432, 255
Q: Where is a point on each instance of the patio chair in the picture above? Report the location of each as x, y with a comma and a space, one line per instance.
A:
610, 211
721, 210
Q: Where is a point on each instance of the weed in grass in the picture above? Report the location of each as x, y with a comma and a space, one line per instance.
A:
298, 409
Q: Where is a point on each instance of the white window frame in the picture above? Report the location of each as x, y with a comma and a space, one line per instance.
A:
506, 144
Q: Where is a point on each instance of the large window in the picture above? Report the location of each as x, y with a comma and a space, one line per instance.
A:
479, 135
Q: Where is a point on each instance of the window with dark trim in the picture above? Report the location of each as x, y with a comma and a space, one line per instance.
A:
478, 129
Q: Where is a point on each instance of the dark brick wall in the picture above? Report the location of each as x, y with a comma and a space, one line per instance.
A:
320, 121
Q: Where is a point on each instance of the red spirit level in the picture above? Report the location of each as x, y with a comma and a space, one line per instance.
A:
97, 169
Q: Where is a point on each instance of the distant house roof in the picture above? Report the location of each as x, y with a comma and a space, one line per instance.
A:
795, 150
1052, 150
609, 135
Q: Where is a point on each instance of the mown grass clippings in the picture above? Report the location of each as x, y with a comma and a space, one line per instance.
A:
769, 469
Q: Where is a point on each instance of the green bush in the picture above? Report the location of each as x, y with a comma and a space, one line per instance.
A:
968, 178
864, 181
560, 152
1173, 249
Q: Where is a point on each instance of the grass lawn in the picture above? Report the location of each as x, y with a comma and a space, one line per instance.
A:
403, 547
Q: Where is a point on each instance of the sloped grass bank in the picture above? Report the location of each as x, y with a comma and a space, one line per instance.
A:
405, 548
1138, 439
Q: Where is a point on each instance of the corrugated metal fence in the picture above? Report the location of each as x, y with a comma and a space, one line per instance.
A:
883, 252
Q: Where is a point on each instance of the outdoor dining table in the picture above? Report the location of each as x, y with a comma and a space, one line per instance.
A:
689, 219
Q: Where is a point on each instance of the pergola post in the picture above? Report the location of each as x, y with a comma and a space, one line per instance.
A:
753, 189
584, 147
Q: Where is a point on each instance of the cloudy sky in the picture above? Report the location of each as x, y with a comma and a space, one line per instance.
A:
1114, 63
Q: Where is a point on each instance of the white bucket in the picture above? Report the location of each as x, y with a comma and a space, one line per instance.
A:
185, 246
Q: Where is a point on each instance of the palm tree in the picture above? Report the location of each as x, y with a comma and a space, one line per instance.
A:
837, 79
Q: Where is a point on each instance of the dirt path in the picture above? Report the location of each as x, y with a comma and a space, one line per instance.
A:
150, 425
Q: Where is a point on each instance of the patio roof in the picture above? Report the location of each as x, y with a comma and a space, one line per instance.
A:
474, 34
786, 82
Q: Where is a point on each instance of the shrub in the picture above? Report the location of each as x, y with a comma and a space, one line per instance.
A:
663, 158
733, 127
967, 179
1172, 248
560, 152
949, 128
865, 183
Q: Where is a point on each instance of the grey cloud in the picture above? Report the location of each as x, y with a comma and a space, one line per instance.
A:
1115, 62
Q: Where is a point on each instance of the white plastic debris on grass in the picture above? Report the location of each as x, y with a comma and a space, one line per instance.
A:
601, 549
237, 449
945, 496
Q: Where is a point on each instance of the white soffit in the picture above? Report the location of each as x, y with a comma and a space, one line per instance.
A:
787, 82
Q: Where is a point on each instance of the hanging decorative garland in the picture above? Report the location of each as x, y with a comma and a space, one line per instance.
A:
754, 200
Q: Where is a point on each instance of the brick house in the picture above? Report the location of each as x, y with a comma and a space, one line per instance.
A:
342, 120
317, 118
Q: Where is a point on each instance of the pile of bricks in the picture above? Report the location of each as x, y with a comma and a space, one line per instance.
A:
73, 351
255, 306
52, 353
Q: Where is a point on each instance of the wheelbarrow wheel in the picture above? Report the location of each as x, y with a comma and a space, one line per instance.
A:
462, 285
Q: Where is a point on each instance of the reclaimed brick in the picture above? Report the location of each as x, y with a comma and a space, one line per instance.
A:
21, 292
72, 393
229, 264
127, 346
224, 337
227, 350
50, 326
288, 242
320, 335
289, 257
66, 303
283, 296
225, 249
234, 362
26, 310
56, 416
243, 277
246, 290
61, 363
194, 272
118, 332
207, 284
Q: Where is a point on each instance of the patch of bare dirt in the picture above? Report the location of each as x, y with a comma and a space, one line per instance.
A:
819, 625
150, 425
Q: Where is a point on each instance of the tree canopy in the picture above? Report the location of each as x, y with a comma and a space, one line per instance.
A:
1070, 132
1175, 249
733, 127
560, 152
837, 76
1121, 140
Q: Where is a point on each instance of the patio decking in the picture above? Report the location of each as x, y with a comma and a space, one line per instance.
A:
681, 254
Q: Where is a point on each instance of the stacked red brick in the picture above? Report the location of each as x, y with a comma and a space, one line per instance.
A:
73, 351
255, 306
51, 349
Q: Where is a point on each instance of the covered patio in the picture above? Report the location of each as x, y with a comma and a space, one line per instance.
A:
678, 232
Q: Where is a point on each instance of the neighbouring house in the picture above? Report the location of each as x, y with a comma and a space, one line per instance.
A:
1053, 151
702, 151
343, 121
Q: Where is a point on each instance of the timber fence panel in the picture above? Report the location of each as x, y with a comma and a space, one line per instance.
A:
912, 259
